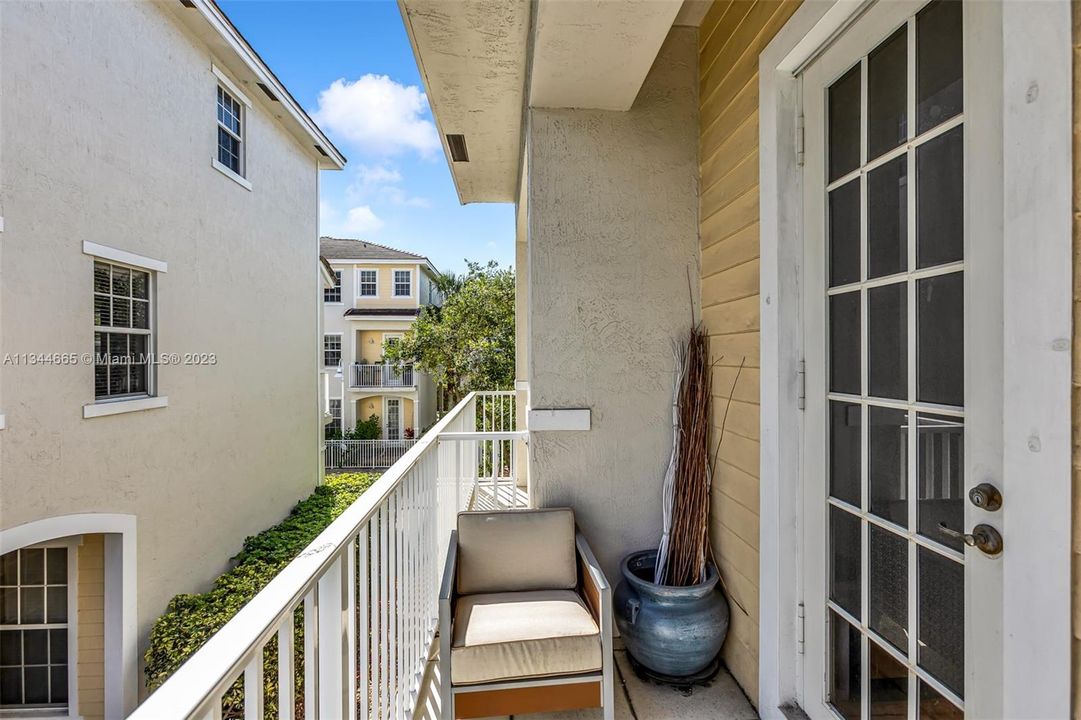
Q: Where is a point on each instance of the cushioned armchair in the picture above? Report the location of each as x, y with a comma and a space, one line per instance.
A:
525, 617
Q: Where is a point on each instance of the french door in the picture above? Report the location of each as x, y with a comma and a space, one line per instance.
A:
903, 421
394, 419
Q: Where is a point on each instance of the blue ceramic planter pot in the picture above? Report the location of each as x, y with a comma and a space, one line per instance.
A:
675, 631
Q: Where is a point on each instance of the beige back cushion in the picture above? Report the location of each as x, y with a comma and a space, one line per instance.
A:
516, 550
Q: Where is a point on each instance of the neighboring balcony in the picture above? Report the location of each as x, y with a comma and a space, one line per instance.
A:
363, 376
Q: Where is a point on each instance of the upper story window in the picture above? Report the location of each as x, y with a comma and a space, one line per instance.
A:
230, 131
334, 294
368, 285
403, 283
332, 350
34, 630
123, 332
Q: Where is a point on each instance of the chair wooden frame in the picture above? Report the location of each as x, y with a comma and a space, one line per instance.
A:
531, 694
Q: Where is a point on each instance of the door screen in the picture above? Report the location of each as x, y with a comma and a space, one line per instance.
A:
895, 345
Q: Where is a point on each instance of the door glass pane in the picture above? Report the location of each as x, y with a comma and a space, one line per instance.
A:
844, 209
844, 675
887, 333
845, 461
940, 220
935, 707
845, 573
887, 86
845, 343
940, 443
938, 64
887, 218
942, 619
889, 686
940, 339
887, 445
887, 570
844, 124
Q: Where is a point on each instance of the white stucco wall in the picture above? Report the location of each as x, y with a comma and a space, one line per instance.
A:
613, 237
107, 130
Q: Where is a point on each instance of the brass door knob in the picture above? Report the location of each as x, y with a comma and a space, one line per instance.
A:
986, 497
983, 537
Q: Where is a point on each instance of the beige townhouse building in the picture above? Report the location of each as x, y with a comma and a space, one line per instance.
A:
158, 315
377, 296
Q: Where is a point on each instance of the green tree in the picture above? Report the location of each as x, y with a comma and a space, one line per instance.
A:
468, 343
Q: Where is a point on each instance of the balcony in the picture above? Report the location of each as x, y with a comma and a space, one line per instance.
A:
363, 376
365, 592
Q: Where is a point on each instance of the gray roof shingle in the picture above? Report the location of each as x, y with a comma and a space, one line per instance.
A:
344, 249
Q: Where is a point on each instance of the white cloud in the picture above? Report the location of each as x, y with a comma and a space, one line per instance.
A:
378, 115
361, 221
380, 183
378, 175
356, 222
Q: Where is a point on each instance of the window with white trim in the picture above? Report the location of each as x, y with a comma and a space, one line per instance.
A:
368, 283
334, 427
334, 294
403, 283
230, 131
123, 331
332, 350
34, 629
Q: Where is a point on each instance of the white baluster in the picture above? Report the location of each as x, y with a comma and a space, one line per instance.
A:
351, 631
311, 648
363, 658
253, 687
331, 641
286, 691
384, 611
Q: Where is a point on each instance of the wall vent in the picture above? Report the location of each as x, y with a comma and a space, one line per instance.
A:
458, 151
321, 151
267, 91
187, 3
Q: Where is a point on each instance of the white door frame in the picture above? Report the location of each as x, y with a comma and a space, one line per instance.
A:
1036, 221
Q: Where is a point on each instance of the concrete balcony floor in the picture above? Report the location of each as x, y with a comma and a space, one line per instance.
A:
637, 699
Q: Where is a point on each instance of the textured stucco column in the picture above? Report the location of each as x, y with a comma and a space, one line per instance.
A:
613, 253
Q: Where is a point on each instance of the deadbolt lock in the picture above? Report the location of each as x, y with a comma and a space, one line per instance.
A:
983, 537
986, 497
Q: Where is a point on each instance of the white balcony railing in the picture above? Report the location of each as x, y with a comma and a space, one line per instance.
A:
364, 454
366, 588
381, 376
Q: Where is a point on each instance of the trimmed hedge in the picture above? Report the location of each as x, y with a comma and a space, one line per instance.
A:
190, 620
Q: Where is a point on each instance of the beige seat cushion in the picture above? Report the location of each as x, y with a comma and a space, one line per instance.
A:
516, 550
504, 636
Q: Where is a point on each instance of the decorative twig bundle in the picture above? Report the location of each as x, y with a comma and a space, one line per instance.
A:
684, 550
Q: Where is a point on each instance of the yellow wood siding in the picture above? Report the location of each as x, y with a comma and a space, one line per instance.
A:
91, 627
731, 37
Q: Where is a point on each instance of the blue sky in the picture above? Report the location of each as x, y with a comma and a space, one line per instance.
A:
349, 64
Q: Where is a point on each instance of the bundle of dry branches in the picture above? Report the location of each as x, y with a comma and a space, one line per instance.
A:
688, 535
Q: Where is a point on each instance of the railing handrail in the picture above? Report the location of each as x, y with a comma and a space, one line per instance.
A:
216, 665
404, 366
479, 435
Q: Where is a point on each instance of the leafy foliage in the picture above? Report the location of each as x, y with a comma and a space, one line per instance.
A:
468, 343
190, 619
369, 429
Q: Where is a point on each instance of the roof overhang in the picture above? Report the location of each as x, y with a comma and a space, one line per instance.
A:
207, 22
472, 59
478, 57
329, 278
422, 261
